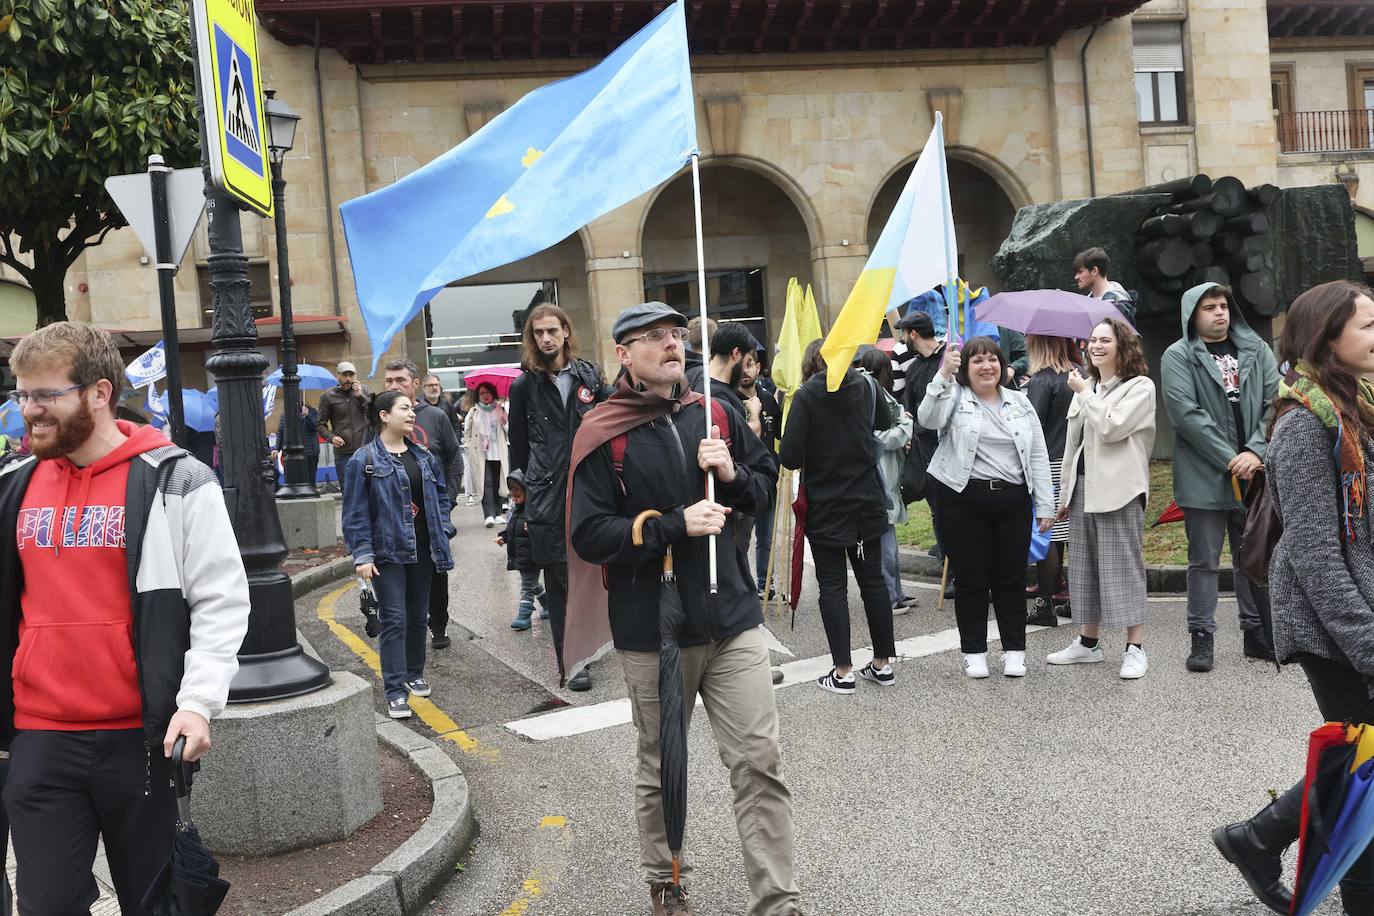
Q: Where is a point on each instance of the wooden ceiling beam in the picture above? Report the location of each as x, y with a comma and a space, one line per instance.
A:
417, 29
800, 27
768, 15
458, 31
838, 24
378, 48
879, 9
498, 30
575, 44
537, 36
917, 9
1013, 22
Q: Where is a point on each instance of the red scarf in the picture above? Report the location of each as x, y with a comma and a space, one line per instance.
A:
587, 633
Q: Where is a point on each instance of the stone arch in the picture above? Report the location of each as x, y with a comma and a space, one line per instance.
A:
755, 231
985, 196
785, 182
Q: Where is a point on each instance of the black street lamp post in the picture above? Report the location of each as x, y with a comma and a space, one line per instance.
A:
272, 664
281, 128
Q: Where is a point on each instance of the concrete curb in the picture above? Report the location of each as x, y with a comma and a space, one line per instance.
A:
306, 581
402, 882
1166, 580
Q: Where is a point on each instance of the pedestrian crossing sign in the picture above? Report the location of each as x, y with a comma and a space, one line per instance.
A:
231, 98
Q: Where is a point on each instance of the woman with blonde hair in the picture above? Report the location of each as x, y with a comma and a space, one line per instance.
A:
1111, 430
1052, 360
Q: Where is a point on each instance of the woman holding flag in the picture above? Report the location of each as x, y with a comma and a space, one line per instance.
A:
993, 472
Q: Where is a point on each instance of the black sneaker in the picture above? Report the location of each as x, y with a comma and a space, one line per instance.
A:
440, 641
418, 686
949, 588
883, 676
582, 681
1043, 615
1200, 659
398, 708
836, 684
1256, 646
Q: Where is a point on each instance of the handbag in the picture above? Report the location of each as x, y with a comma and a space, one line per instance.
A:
1262, 532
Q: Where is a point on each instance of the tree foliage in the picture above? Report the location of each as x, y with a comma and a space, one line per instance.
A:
88, 89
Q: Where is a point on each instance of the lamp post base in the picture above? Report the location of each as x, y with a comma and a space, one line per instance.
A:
297, 491
276, 675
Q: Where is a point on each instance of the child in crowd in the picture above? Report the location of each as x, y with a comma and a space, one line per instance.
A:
516, 540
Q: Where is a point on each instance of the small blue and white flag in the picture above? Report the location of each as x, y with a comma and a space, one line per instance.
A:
269, 400
148, 368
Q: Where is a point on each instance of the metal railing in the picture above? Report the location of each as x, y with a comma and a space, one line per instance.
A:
1325, 131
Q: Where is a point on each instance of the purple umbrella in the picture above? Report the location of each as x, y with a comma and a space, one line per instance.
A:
1048, 312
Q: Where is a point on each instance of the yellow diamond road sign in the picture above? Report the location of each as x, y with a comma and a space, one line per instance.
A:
231, 96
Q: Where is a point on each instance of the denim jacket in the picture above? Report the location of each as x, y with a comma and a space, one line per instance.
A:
377, 524
953, 412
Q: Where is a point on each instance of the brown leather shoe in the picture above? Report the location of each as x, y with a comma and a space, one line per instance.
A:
670, 900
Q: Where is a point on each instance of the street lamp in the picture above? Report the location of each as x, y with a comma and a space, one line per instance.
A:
281, 130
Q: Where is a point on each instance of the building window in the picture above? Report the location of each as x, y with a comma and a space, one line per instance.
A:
259, 292
480, 325
1159, 73
737, 294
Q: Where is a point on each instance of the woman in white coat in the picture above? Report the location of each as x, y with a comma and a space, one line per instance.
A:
488, 452
1106, 481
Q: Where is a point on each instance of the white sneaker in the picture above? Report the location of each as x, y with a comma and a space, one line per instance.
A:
472, 501
1076, 654
1014, 664
1134, 664
499, 519
490, 522
976, 666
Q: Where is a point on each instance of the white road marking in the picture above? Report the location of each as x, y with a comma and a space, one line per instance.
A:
579, 720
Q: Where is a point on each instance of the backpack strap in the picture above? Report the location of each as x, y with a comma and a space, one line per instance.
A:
620, 443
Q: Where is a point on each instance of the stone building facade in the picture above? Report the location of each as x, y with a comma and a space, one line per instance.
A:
805, 144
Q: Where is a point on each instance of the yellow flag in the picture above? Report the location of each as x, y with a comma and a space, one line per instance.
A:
787, 363
810, 321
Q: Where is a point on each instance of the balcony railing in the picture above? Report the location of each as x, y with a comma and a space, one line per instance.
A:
1326, 131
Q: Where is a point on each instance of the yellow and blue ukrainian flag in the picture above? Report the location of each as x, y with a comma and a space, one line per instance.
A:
559, 158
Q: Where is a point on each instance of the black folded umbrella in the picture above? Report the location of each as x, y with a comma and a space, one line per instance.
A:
672, 723
189, 884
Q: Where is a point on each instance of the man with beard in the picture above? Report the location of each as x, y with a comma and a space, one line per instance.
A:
343, 412
764, 417
109, 657
434, 432
647, 448
547, 403
434, 396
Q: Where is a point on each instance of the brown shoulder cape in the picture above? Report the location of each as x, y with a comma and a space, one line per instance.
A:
587, 633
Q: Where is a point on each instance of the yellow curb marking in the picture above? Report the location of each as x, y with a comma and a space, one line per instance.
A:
553, 820
530, 890
429, 714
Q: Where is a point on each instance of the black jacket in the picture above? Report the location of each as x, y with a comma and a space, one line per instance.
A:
1051, 396
434, 431
830, 437
541, 429
517, 533
661, 472
310, 436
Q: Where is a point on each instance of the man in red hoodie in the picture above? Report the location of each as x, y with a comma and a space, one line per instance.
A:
123, 603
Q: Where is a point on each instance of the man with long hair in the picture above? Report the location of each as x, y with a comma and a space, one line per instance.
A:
547, 403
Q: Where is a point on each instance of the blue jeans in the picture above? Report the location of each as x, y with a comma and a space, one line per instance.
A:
763, 542
892, 569
403, 596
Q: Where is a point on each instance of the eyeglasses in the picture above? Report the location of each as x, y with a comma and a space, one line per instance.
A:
43, 398
656, 335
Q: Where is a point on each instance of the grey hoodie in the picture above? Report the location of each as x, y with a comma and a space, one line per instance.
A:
1204, 423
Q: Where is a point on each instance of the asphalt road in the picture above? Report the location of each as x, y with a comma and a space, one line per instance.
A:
1067, 792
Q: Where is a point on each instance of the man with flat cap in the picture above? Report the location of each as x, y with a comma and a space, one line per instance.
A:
343, 413
646, 448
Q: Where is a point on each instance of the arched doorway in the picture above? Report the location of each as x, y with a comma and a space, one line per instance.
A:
755, 239
982, 215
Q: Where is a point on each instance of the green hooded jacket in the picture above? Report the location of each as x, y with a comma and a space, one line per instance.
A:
1204, 424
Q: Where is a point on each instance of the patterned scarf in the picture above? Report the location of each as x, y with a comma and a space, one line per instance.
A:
1301, 386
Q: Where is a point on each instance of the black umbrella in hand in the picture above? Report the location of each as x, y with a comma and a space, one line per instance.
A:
672, 722
189, 884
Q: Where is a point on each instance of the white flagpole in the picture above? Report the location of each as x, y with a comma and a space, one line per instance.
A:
706, 357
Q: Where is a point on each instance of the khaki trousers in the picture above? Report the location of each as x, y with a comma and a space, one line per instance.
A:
735, 683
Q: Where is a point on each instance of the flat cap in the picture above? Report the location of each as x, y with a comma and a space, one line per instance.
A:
346, 366
643, 315
918, 321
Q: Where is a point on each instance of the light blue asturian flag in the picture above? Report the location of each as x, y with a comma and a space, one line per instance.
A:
556, 160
